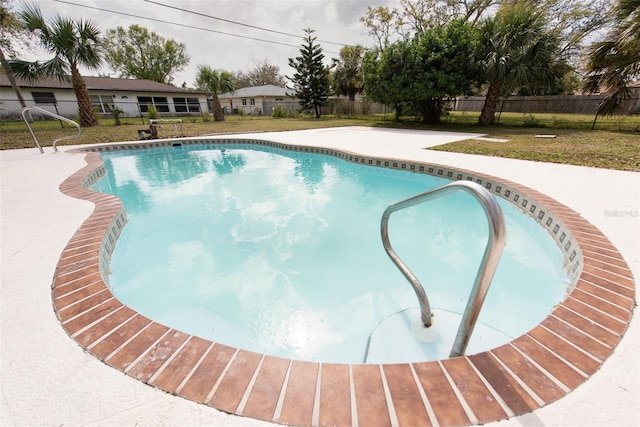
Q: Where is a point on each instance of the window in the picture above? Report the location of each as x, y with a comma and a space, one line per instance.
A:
144, 102
98, 102
194, 105
43, 97
186, 105
244, 101
252, 101
159, 102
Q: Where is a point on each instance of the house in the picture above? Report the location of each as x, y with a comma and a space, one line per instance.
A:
256, 100
130, 95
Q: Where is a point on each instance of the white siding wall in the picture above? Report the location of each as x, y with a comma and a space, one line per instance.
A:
66, 104
236, 103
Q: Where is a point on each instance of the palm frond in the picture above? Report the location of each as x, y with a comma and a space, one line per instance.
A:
57, 67
63, 35
26, 70
613, 104
614, 63
88, 30
31, 17
89, 50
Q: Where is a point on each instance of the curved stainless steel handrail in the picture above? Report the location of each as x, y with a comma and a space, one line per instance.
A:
55, 116
490, 259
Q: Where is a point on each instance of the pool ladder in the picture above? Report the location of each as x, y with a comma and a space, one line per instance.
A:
490, 259
55, 116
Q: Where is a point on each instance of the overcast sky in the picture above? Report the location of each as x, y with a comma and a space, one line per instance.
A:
336, 23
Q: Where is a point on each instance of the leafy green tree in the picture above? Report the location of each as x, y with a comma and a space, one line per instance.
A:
515, 49
347, 78
311, 79
574, 20
262, 73
424, 71
416, 16
383, 24
615, 62
214, 82
10, 29
73, 43
136, 52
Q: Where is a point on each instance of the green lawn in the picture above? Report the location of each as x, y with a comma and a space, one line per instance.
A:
614, 144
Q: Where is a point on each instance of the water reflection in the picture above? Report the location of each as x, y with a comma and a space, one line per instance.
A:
170, 167
280, 252
311, 169
228, 162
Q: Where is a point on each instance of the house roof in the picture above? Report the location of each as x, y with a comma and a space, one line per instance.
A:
256, 91
100, 83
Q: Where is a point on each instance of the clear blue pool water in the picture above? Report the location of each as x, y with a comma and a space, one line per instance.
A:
280, 252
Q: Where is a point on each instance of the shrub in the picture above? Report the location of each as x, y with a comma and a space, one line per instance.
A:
116, 112
278, 112
152, 113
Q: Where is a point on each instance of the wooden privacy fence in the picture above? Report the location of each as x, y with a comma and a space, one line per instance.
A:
561, 104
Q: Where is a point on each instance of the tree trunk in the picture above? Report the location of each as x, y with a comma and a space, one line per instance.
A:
12, 80
85, 109
430, 110
490, 104
216, 108
351, 108
317, 109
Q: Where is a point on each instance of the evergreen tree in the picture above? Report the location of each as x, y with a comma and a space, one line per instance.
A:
311, 79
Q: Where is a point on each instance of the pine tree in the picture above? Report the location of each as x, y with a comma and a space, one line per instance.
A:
311, 80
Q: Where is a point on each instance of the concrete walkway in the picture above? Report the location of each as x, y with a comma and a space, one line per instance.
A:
46, 379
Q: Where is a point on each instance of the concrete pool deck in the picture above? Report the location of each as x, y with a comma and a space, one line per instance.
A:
47, 379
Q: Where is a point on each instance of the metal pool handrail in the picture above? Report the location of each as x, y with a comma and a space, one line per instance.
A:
55, 116
490, 259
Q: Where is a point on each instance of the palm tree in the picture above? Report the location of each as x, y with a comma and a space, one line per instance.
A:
516, 49
347, 77
73, 43
214, 82
614, 63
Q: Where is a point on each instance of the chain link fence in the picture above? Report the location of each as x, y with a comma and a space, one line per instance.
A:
530, 111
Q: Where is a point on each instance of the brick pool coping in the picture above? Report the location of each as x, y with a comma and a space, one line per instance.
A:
531, 371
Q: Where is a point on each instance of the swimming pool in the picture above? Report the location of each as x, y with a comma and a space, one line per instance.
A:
532, 370
279, 252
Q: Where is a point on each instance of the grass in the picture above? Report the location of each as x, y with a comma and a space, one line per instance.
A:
575, 142
16, 134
